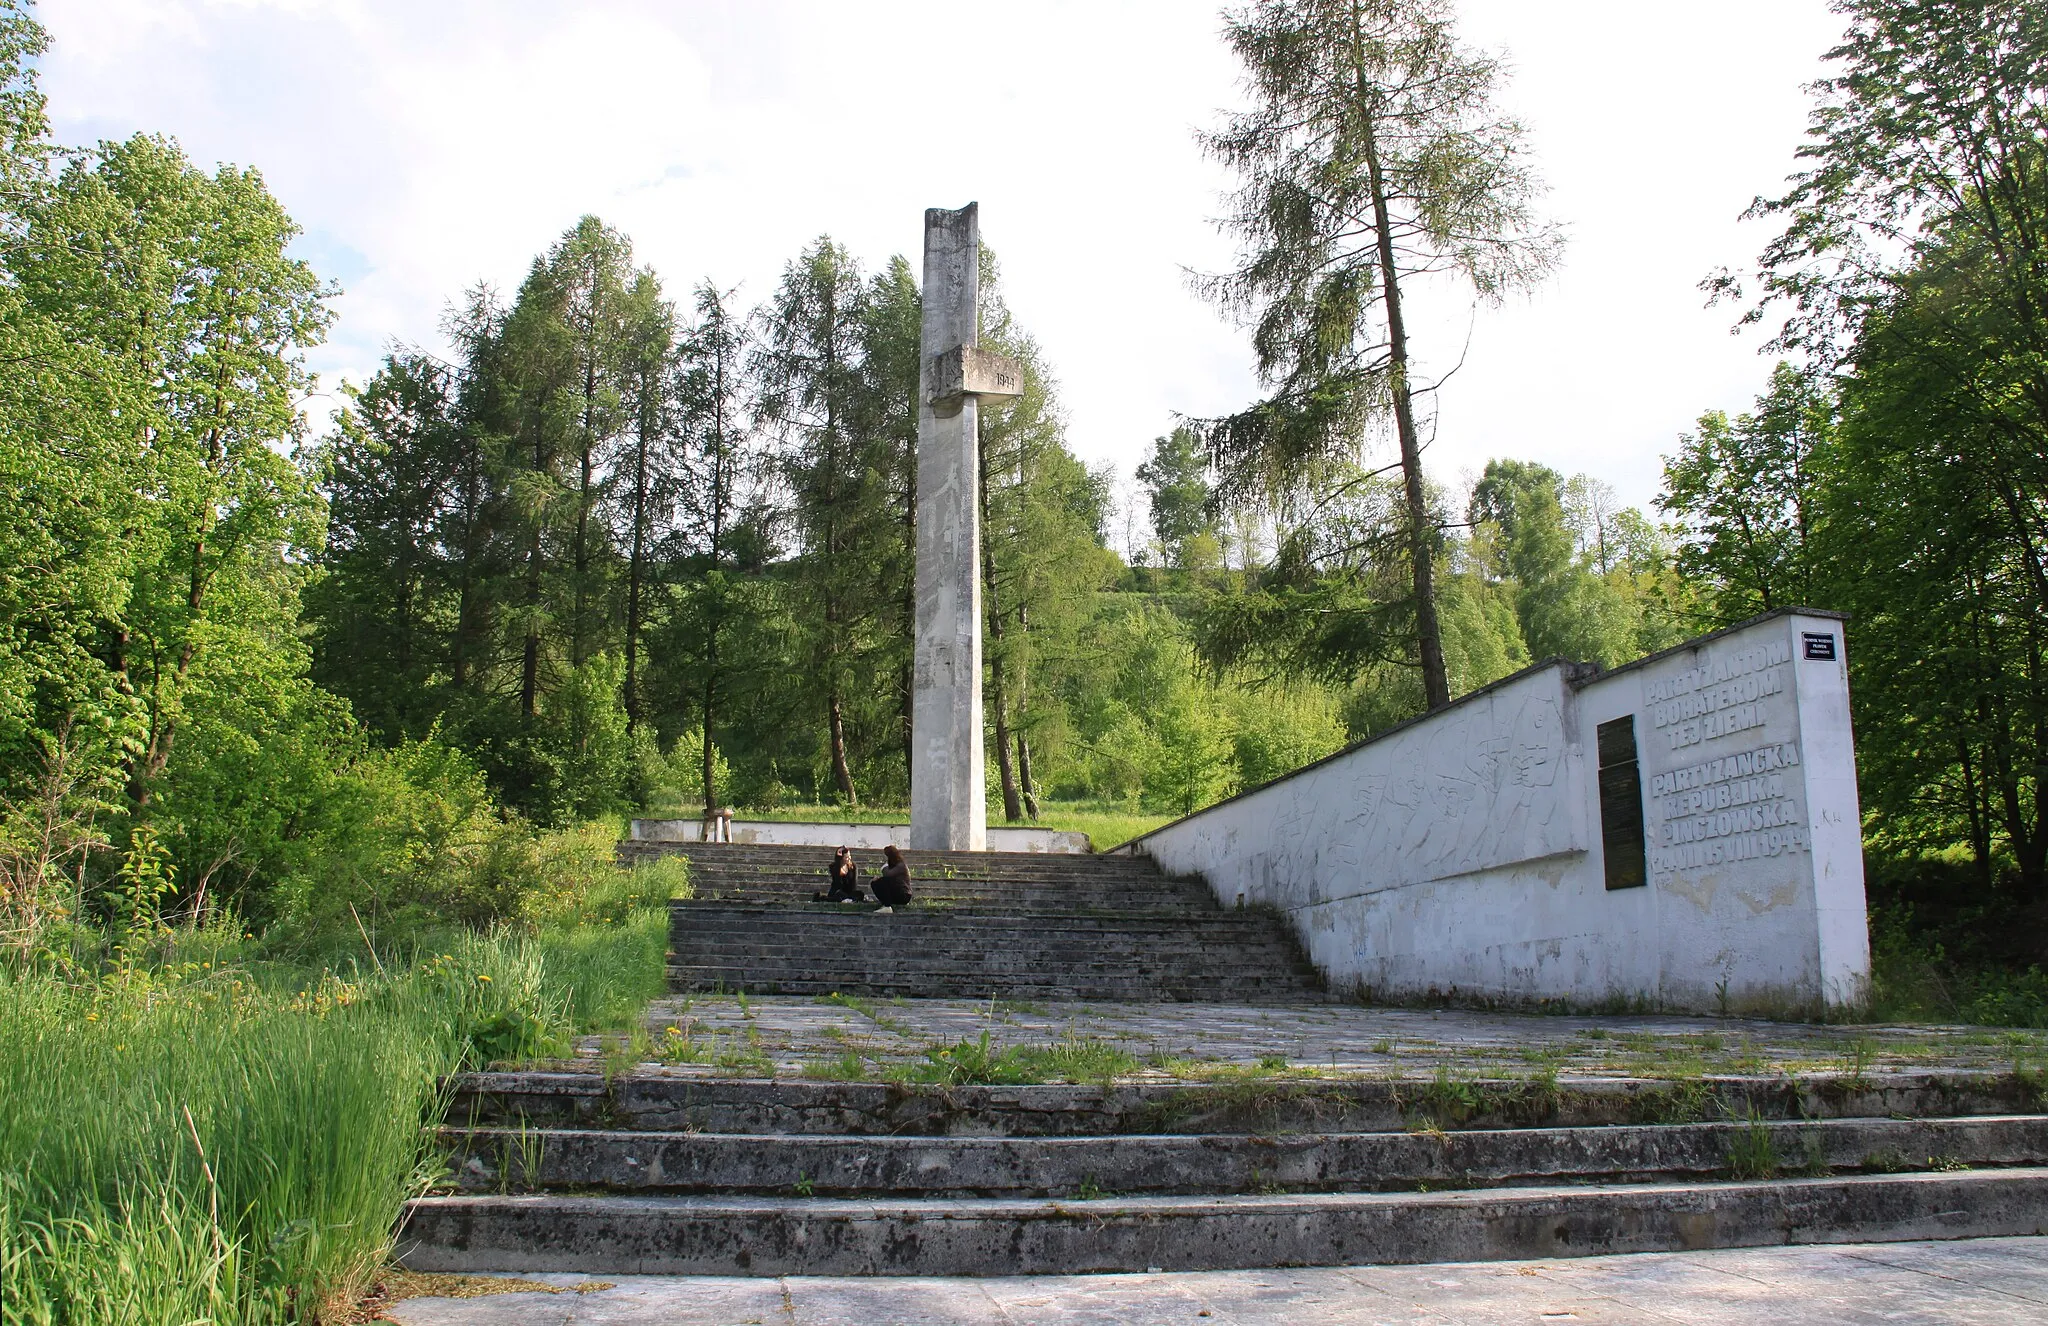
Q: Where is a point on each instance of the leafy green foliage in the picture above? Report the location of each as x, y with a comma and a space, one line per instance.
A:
1743, 489
1912, 264
1175, 477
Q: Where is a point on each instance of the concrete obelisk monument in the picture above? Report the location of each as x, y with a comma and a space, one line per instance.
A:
948, 807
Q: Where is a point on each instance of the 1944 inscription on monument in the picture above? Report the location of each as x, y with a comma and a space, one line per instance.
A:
1738, 807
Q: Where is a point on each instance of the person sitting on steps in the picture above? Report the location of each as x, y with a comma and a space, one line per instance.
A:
892, 886
845, 880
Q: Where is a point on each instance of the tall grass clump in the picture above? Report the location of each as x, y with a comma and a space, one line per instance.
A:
602, 932
198, 1124
206, 1150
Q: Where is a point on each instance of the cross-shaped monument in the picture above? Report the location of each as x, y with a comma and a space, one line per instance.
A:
948, 807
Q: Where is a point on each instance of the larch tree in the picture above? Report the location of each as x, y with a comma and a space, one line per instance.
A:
1372, 155
645, 479
1041, 544
712, 498
891, 331
478, 516
807, 367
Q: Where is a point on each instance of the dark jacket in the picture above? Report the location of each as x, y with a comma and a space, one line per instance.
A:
845, 879
892, 886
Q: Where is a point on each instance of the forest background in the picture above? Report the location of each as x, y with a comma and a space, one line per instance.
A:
313, 744
637, 550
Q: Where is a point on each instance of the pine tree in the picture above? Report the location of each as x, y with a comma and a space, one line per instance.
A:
1372, 154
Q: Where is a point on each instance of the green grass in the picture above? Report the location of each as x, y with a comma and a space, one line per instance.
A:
605, 949
208, 1133
208, 1149
984, 1061
1107, 823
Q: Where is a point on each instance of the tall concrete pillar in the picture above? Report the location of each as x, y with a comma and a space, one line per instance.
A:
948, 807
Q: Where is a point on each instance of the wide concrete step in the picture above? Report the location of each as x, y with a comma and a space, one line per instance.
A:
812, 919
962, 865
660, 1102
915, 856
1041, 960
1112, 872
983, 985
1012, 1236
1048, 970
1076, 903
1084, 1167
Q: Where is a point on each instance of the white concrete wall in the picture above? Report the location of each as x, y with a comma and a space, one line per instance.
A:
872, 837
1462, 852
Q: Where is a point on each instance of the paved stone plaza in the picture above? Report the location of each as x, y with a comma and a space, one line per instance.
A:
1996, 1282
721, 1035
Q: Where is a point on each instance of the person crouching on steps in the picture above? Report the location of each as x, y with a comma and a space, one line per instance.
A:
892, 886
845, 880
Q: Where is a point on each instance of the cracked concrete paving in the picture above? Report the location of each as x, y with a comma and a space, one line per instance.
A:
715, 1035
1988, 1281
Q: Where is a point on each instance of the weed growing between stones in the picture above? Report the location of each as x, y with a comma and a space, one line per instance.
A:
1674, 1102
983, 1061
1856, 1063
744, 1058
868, 1009
1753, 1155
1079, 1059
848, 1067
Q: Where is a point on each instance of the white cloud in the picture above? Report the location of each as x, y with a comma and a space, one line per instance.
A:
428, 144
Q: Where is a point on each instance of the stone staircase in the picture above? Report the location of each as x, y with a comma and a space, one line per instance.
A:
676, 1170
1011, 924
667, 1174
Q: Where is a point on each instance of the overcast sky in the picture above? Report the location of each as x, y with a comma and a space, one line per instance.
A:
425, 145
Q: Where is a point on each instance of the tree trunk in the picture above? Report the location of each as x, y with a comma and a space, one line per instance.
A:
634, 573
1436, 685
465, 588
998, 702
1024, 783
1012, 811
1980, 827
529, 662
710, 748
579, 644
163, 723
1024, 775
841, 775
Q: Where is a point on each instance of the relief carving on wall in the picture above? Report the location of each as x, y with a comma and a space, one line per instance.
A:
1474, 790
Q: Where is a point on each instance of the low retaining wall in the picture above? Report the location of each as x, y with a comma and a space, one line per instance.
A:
872, 837
1682, 832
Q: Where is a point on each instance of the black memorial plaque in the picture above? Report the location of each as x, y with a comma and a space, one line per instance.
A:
1820, 645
